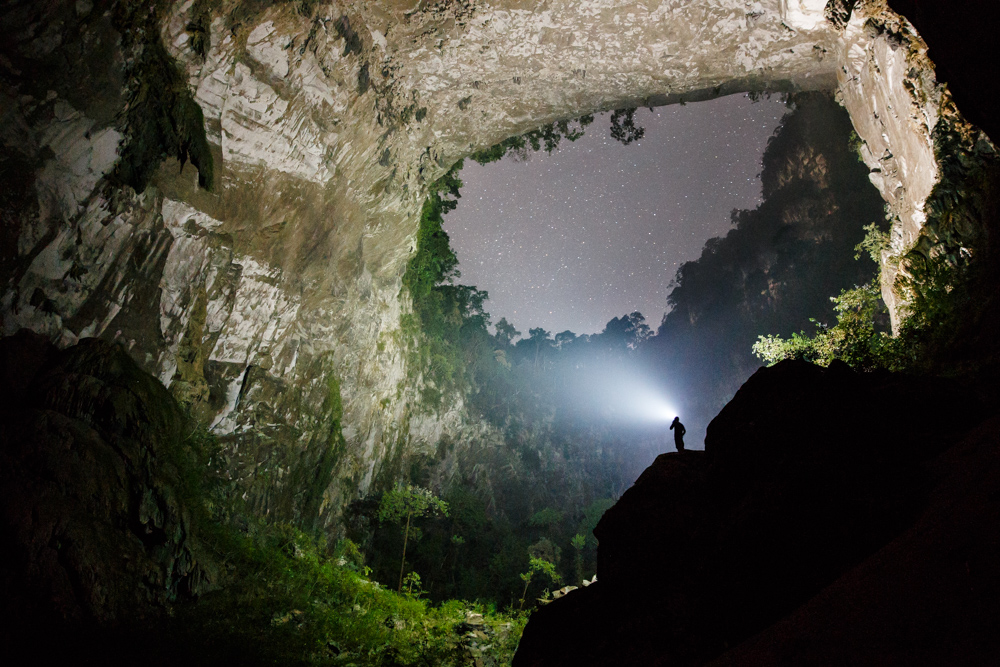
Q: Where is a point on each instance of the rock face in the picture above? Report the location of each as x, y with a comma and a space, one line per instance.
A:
94, 525
271, 305
911, 128
804, 476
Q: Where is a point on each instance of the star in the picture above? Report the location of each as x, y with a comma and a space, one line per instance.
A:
599, 209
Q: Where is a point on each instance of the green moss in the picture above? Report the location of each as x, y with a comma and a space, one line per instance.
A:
318, 478
189, 386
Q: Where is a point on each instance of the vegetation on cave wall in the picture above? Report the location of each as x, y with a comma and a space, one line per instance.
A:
545, 137
563, 452
778, 265
287, 600
446, 317
160, 560
944, 282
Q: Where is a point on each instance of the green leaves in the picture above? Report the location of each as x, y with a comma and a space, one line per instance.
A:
854, 339
410, 501
545, 137
874, 243
448, 319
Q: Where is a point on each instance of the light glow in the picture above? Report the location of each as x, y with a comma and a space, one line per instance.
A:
626, 397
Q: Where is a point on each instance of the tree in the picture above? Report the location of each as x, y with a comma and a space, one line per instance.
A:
623, 127
409, 502
506, 333
540, 339
854, 339
625, 332
578, 542
566, 339
535, 566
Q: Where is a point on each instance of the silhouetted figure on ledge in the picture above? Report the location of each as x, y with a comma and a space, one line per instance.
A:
678, 428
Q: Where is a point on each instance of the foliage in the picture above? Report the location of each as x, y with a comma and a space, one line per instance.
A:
161, 118
538, 566
776, 267
545, 137
623, 127
547, 517
874, 243
579, 543
409, 502
286, 602
591, 516
505, 333
935, 281
855, 144
444, 314
280, 598
854, 339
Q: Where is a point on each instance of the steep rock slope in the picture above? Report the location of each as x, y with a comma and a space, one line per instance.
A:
803, 477
776, 268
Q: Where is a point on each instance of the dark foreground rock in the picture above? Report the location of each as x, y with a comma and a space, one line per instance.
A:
840, 502
94, 530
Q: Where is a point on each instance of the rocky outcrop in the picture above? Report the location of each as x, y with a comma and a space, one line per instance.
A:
805, 476
325, 123
915, 141
95, 524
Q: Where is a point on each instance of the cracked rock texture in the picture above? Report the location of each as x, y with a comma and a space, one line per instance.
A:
256, 301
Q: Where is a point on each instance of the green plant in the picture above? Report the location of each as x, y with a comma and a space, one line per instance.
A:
875, 242
537, 566
287, 601
545, 137
579, 542
409, 502
854, 339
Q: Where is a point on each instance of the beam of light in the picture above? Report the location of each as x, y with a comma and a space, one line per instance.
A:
625, 396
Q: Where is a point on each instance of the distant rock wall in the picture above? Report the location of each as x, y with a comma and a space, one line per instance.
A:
327, 121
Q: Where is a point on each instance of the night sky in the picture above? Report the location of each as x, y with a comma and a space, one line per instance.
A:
597, 229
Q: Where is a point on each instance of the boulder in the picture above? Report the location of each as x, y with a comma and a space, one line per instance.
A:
95, 525
807, 473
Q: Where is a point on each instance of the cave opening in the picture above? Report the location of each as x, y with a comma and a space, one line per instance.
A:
578, 417
748, 206
566, 240
247, 419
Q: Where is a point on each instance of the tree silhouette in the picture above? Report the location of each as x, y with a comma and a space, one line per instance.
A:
623, 127
506, 333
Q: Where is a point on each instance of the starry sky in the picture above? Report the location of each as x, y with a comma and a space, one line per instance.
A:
598, 229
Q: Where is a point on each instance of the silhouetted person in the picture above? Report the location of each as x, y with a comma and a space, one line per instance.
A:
678, 428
